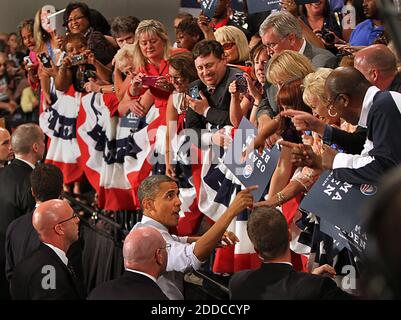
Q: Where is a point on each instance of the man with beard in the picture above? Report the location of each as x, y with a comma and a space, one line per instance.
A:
366, 32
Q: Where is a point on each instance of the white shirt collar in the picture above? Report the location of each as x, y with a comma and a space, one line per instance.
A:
366, 105
154, 223
61, 254
142, 273
289, 263
302, 50
28, 163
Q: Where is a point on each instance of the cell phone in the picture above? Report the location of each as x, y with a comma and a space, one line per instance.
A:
242, 85
149, 80
194, 92
77, 59
28, 61
45, 60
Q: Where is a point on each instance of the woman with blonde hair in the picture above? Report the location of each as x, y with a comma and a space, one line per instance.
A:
150, 52
234, 43
48, 43
287, 65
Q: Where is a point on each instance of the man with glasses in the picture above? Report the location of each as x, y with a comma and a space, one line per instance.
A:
47, 274
6, 151
145, 259
281, 31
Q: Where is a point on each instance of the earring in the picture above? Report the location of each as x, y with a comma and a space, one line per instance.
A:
333, 115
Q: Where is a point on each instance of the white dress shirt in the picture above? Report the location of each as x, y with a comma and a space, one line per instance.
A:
61, 254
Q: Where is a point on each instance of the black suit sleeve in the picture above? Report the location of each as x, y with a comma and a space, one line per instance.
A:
351, 142
330, 291
218, 117
196, 123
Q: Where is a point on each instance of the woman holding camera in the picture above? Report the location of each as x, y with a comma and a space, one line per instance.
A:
149, 84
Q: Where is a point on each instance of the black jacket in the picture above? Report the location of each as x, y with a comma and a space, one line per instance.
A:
279, 281
130, 286
32, 273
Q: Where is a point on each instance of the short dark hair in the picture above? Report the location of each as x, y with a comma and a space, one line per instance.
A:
46, 182
75, 36
205, 47
77, 5
151, 186
183, 62
191, 27
123, 25
268, 231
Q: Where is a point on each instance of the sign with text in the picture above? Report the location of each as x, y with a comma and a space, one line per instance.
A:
255, 6
209, 7
256, 169
338, 202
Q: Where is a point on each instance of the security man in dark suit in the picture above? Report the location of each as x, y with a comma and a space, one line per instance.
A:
21, 238
47, 274
277, 279
145, 258
15, 189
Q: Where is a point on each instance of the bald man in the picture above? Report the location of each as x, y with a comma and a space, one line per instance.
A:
145, 258
6, 151
379, 66
356, 101
46, 273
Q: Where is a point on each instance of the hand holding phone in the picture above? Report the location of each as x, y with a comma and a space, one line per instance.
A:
149, 80
45, 59
242, 84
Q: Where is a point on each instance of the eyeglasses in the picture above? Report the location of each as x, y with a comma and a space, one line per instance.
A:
176, 78
272, 45
167, 247
74, 215
75, 19
228, 45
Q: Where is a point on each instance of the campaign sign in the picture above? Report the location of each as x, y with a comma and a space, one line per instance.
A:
209, 7
255, 169
262, 5
132, 121
338, 202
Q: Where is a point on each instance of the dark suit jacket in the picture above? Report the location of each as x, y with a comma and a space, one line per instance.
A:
21, 240
26, 281
130, 286
279, 281
15, 200
320, 57
218, 115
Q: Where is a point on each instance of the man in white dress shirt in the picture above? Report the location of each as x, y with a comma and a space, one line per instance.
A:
159, 198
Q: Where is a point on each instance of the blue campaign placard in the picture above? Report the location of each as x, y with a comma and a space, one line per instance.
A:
339, 203
133, 122
255, 6
256, 169
209, 7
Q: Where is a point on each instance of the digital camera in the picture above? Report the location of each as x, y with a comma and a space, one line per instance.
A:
77, 59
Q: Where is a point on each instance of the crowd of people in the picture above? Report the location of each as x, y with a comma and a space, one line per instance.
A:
145, 120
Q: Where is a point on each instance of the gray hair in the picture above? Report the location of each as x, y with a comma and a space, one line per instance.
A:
151, 186
123, 25
25, 136
283, 23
